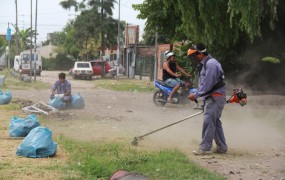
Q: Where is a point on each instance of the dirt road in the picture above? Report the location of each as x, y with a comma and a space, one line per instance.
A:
254, 133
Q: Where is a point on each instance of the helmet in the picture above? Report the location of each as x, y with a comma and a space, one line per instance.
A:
168, 54
197, 48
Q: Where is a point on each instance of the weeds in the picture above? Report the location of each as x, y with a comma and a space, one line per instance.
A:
100, 160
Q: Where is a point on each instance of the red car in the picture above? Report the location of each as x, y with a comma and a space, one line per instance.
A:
110, 67
97, 67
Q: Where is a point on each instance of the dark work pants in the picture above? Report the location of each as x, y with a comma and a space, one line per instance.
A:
212, 126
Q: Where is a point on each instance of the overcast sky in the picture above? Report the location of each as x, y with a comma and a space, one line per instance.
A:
52, 17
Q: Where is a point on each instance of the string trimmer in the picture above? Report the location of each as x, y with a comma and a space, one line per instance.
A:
238, 97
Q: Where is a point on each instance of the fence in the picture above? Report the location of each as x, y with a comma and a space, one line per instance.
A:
145, 66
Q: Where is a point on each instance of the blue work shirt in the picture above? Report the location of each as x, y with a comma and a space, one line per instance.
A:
61, 88
209, 77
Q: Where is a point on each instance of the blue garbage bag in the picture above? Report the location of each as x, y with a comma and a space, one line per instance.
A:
57, 103
77, 101
37, 144
20, 127
5, 98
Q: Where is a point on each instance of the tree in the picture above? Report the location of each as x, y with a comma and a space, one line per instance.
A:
94, 25
66, 42
166, 20
24, 37
216, 23
239, 33
149, 38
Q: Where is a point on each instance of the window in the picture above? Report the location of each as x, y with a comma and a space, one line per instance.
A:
83, 65
26, 57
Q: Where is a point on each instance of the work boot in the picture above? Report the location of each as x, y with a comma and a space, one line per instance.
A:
201, 152
220, 151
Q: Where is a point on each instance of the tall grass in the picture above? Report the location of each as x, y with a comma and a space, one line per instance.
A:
99, 160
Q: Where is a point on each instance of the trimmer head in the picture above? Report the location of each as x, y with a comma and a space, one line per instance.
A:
135, 142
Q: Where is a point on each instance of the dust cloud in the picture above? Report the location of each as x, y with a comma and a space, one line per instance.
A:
258, 125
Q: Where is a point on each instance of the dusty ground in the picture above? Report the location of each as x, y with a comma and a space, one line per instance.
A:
255, 133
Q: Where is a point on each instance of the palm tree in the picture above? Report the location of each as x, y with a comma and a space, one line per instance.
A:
24, 37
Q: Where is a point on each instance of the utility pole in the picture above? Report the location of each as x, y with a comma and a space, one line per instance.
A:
17, 41
102, 40
35, 48
155, 56
31, 42
9, 45
102, 30
118, 43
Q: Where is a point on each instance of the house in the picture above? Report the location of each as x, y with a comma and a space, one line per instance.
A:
46, 51
160, 58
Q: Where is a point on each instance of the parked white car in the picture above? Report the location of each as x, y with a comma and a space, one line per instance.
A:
82, 69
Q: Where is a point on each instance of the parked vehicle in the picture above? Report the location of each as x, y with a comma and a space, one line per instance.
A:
82, 69
97, 66
22, 63
110, 67
161, 95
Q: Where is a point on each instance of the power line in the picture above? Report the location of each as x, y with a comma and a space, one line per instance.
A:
38, 14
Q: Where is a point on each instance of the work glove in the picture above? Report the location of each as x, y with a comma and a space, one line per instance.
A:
59, 95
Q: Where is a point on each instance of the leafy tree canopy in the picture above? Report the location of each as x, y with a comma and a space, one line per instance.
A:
94, 26
219, 22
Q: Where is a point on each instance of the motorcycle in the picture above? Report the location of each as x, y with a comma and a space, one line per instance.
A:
180, 97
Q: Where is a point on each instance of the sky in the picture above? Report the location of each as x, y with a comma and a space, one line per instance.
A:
52, 17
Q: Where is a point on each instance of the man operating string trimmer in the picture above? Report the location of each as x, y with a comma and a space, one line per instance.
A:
212, 89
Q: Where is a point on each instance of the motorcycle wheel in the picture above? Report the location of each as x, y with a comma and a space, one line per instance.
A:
159, 98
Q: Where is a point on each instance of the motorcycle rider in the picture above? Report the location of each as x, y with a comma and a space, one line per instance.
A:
213, 91
170, 76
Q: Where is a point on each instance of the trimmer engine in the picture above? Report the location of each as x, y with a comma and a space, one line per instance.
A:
238, 97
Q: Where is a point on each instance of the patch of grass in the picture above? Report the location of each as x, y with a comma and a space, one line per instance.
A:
126, 85
100, 160
10, 107
14, 83
5, 165
8, 110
